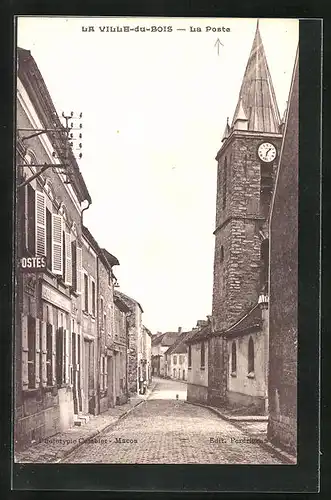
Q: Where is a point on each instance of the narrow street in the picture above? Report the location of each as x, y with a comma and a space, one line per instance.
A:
169, 431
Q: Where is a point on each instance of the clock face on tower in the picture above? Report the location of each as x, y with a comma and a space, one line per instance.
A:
266, 152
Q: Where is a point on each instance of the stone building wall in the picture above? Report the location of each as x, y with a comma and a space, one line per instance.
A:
284, 288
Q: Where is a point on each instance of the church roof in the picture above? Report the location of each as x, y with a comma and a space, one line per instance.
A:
251, 321
257, 99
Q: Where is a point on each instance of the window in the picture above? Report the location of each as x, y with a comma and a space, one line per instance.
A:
102, 323
265, 264
57, 245
85, 293
74, 264
49, 238
102, 372
178, 372
105, 321
30, 222
250, 357
174, 372
62, 357
202, 355
105, 372
225, 173
175, 360
266, 188
222, 253
234, 359
40, 223
181, 359
93, 298
189, 356
31, 352
49, 354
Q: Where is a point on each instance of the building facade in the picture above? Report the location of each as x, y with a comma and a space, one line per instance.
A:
198, 362
48, 329
247, 166
282, 425
160, 344
135, 342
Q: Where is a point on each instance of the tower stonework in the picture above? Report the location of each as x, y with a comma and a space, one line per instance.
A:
244, 190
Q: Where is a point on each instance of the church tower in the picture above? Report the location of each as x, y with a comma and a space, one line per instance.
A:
247, 162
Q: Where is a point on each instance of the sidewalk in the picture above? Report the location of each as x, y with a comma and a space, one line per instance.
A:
57, 447
254, 426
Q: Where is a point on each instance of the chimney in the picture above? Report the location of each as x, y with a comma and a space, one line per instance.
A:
179, 329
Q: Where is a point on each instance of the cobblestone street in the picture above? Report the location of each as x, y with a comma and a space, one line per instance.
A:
166, 430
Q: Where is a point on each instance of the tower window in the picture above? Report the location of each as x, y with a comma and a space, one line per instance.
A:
222, 254
265, 264
225, 173
250, 357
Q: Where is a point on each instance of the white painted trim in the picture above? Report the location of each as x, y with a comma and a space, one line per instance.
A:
32, 116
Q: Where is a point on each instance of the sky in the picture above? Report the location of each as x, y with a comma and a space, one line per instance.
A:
154, 110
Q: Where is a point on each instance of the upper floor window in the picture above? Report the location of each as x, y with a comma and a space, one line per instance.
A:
175, 360
265, 264
101, 313
93, 297
250, 356
222, 253
86, 293
189, 356
202, 355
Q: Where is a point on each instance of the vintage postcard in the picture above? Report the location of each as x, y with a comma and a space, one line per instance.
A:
156, 240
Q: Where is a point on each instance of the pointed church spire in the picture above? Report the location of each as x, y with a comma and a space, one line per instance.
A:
226, 130
240, 120
257, 95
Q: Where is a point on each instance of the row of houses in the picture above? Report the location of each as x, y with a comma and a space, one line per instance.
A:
80, 343
245, 357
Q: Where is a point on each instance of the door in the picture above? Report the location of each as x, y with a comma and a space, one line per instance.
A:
86, 375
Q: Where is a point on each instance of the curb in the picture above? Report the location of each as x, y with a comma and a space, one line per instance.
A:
277, 452
253, 418
91, 436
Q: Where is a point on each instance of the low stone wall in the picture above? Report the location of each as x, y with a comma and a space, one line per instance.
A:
197, 393
282, 431
236, 399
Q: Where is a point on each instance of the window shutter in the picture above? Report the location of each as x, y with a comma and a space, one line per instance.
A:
66, 357
53, 355
89, 299
25, 352
79, 271
106, 372
40, 218
57, 244
43, 346
68, 266
37, 355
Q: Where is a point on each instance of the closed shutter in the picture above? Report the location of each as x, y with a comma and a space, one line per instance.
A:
89, 298
40, 218
37, 356
57, 244
53, 355
66, 357
25, 352
43, 346
106, 371
79, 256
68, 257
